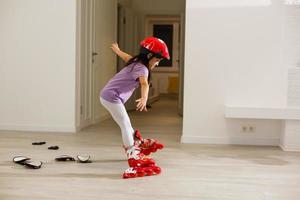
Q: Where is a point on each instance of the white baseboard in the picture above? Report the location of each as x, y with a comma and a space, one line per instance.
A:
32, 128
230, 140
289, 148
98, 119
102, 118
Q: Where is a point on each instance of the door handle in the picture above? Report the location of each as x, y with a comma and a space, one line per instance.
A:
94, 54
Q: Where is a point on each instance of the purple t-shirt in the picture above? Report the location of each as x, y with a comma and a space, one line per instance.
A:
122, 85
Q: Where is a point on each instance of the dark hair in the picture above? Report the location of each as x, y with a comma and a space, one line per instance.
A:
143, 57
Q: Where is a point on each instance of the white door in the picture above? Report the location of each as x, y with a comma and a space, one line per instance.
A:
105, 62
97, 30
128, 42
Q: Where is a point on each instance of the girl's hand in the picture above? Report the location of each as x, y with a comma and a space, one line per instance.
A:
141, 105
115, 47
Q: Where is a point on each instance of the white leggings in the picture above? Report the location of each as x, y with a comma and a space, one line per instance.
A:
119, 114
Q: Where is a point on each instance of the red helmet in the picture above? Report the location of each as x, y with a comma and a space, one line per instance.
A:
156, 46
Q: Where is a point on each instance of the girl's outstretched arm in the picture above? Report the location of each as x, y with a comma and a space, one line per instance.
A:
142, 102
124, 56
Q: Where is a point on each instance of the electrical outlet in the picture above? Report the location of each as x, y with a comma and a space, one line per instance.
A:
247, 128
251, 128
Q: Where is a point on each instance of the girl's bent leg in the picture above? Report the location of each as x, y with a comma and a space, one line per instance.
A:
119, 114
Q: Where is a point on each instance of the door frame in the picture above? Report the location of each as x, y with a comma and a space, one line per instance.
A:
181, 64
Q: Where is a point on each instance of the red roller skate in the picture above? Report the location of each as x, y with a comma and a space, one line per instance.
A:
147, 146
138, 159
134, 172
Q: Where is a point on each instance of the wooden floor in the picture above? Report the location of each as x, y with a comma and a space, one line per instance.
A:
201, 172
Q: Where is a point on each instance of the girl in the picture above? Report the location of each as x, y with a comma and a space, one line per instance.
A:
119, 89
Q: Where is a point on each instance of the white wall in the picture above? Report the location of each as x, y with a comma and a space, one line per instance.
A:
234, 56
158, 6
291, 52
37, 65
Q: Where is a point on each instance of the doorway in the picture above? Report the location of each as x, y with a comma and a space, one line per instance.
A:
99, 24
168, 76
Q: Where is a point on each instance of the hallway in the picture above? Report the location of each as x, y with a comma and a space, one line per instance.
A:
190, 171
